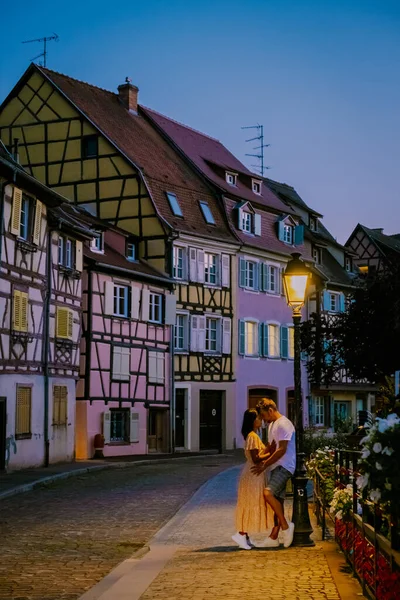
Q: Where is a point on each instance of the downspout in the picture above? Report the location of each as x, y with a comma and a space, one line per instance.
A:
172, 388
88, 333
46, 350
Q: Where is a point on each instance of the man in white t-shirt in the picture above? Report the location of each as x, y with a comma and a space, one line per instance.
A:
280, 467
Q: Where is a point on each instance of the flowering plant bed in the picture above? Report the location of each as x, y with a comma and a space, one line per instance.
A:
342, 502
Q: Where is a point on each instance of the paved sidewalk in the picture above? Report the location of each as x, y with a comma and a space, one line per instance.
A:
25, 480
193, 558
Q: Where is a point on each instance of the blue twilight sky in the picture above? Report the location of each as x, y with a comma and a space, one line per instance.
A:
321, 76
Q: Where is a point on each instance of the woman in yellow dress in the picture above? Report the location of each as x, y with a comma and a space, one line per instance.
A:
251, 511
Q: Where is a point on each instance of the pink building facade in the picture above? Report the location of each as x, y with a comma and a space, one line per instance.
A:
125, 387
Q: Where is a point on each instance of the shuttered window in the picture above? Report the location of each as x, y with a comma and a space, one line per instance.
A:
64, 323
121, 363
23, 411
20, 311
156, 367
60, 405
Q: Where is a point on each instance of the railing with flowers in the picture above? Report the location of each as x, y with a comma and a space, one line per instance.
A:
321, 469
366, 508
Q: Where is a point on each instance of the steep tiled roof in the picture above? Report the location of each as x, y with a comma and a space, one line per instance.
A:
269, 240
212, 159
288, 194
386, 242
138, 140
333, 270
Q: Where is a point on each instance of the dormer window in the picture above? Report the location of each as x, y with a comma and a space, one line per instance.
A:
207, 214
174, 204
97, 244
246, 222
131, 251
313, 224
231, 178
288, 234
317, 255
348, 264
256, 186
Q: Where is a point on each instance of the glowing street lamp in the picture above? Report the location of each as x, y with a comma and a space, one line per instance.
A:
295, 280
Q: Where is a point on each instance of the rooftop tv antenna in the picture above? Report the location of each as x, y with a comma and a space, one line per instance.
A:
260, 155
44, 40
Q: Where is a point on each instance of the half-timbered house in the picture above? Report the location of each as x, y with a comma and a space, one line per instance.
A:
372, 250
125, 387
269, 231
40, 311
96, 148
334, 399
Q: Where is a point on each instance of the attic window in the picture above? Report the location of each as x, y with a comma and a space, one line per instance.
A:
90, 146
256, 185
207, 214
97, 243
131, 250
246, 222
313, 224
288, 234
174, 204
231, 178
317, 255
347, 264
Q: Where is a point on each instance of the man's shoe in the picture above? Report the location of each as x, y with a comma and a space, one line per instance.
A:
250, 542
288, 536
269, 543
241, 541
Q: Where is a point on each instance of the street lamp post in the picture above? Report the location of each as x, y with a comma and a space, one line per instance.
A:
295, 280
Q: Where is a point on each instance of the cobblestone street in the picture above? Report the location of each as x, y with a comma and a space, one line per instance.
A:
59, 541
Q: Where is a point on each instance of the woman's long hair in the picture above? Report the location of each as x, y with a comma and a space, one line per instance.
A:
250, 415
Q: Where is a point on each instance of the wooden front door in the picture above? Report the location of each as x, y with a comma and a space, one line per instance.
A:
3, 414
210, 420
156, 438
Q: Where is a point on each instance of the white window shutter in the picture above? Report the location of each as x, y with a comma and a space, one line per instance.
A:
78, 256
134, 427
192, 264
170, 309
160, 367
135, 302
125, 363
225, 270
145, 305
107, 426
152, 366
194, 321
37, 224
201, 334
116, 365
226, 336
109, 297
16, 211
240, 219
200, 266
257, 224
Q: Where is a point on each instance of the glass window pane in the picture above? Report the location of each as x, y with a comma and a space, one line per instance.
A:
174, 204
207, 213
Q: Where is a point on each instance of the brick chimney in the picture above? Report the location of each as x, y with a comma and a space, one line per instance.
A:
128, 94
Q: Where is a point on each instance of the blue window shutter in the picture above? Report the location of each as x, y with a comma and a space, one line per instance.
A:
265, 339
260, 339
242, 340
284, 342
327, 300
281, 226
242, 272
256, 276
341, 303
266, 270
299, 235
261, 268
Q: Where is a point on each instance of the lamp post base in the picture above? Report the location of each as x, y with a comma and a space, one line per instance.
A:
300, 514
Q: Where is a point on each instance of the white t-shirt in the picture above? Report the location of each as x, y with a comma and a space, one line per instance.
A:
280, 430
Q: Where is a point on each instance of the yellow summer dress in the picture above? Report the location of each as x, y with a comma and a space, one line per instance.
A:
251, 512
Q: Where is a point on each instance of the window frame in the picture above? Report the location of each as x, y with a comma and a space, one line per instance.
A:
153, 355
316, 252
256, 341
120, 376
288, 239
291, 348
247, 274
233, 176
85, 140
117, 299
208, 273
207, 349
247, 222
313, 224
127, 422
185, 332
63, 251
348, 264
153, 306
206, 211
129, 246
254, 183
174, 204
26, 222
175, 266
19, 435
97, 243
336, 297
319, 411
277, 339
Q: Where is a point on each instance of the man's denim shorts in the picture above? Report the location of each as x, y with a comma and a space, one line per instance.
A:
276, 481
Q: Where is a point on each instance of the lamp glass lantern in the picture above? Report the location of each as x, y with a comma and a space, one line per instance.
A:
295, 279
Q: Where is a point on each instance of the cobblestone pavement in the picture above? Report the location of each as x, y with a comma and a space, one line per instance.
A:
208, 565
57, 542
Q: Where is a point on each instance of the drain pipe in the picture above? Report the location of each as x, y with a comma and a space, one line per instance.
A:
46, 349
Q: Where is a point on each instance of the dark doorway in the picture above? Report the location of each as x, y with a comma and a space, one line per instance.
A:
3, 413
157, 432
210, 420
256, 394
180, 405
